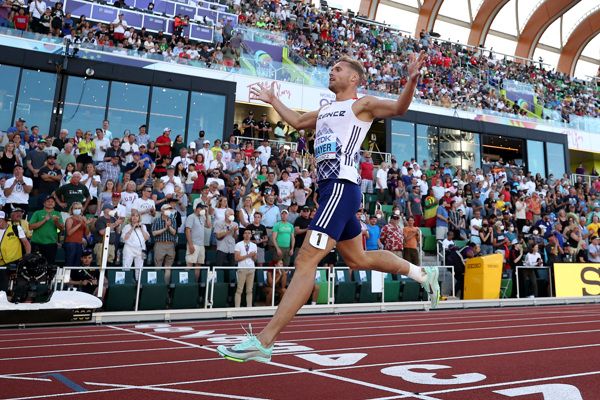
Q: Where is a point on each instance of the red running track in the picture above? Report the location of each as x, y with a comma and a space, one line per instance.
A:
529, 353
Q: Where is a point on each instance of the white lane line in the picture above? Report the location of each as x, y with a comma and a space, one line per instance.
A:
92, 353
25, 378
72, 344
361, 318
184, 391
294, 353
45, 338
291, 367
48, 396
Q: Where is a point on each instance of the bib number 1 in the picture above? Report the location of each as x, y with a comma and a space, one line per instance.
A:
318, 240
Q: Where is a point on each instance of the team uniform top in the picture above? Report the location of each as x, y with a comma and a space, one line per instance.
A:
337, 146
338, 140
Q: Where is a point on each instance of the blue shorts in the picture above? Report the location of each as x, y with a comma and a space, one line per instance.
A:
339, 200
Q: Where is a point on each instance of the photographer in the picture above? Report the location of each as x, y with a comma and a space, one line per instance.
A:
532, 259
13, 245
86, 278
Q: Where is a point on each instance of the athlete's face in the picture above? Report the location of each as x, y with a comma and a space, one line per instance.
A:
341, 76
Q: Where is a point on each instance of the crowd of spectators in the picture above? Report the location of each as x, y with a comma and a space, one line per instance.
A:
454, 76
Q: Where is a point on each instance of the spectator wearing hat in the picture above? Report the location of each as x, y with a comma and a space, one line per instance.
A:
164, 230
264, 152
226, 232
249, 125
111, 219
115, 150
228, 154
195, 225
109, 170
264, 127
17, 217
284, 238
13, 244
206, 153
50, 175
170, 181
45, 224
17, 189
163, 143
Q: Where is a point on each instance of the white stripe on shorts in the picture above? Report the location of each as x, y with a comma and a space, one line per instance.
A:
331, 206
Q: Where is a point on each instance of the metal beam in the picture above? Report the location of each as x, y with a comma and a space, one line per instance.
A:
583, 33
428, 13
483, 21
546, 13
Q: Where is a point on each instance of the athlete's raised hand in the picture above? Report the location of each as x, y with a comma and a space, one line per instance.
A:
415, 64
261, 93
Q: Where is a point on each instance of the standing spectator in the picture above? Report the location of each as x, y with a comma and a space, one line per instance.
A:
102, 144
14, 245
76, 228
109, 170
415, 207
594, 250
21, 20
392, 236
207, 153
91, 180
164, 230
245, 256
163, 143
381, 183
226, 232
264, 127
373, 234
411, 241
365, 170
46, 224
284, 239
532, 259
259, 237
486, 237
134, 236
195, 224
16, 190
9, 160
270, 212
170, 181
115, 150
286, 190
37, 8
249, 125
115, 224
441, 226
87, 149
146, 207
74, 191
50, 176
106, 129
119, 26
66, 157
34, 161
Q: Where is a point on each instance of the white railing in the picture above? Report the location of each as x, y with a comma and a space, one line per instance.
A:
583, 178
256, 142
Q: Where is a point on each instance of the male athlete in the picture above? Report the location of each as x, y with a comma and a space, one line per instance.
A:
341, 128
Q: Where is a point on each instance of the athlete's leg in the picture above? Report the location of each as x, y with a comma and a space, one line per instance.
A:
300, 289
381, 260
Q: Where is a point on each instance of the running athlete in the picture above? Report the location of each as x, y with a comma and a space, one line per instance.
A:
341, 128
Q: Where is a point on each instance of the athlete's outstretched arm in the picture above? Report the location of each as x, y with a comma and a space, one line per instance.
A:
389, 108
295, 119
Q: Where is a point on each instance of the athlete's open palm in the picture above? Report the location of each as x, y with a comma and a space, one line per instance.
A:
261, 93
415, 64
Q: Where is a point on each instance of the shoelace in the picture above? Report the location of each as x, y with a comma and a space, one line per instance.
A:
248, 332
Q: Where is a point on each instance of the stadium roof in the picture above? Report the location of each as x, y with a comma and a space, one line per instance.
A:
565, 33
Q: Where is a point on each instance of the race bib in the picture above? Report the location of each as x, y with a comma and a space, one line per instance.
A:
318, 240
325, 145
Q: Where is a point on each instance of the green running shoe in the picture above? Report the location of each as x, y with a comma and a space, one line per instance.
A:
249, 350
432, 285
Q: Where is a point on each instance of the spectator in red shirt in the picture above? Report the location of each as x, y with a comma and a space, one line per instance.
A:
164, 143
365, 169
392, 236
21, 20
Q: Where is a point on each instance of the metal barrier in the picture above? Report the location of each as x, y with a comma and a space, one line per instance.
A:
587, 179
534, 268
275, 144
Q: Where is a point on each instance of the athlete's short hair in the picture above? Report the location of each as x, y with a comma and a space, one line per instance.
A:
356, 66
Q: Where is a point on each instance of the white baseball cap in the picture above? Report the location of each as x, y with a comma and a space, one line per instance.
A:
2, 215
167, 130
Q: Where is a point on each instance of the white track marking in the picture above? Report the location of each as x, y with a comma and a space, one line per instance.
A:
361, 318
184, 391
72, 344
25, 378
64, 337
48, 396
290, 367
92, 353
294, 353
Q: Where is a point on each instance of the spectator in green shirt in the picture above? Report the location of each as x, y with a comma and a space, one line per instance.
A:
45, 224
66, 156
72, 192
284, 239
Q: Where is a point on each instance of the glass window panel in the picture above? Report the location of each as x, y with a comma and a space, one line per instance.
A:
555, 158
403, 141
168, 109
128, 107
427, 143
207, 112
9, 78
470, 150
36, 97
85, 104
536, 163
